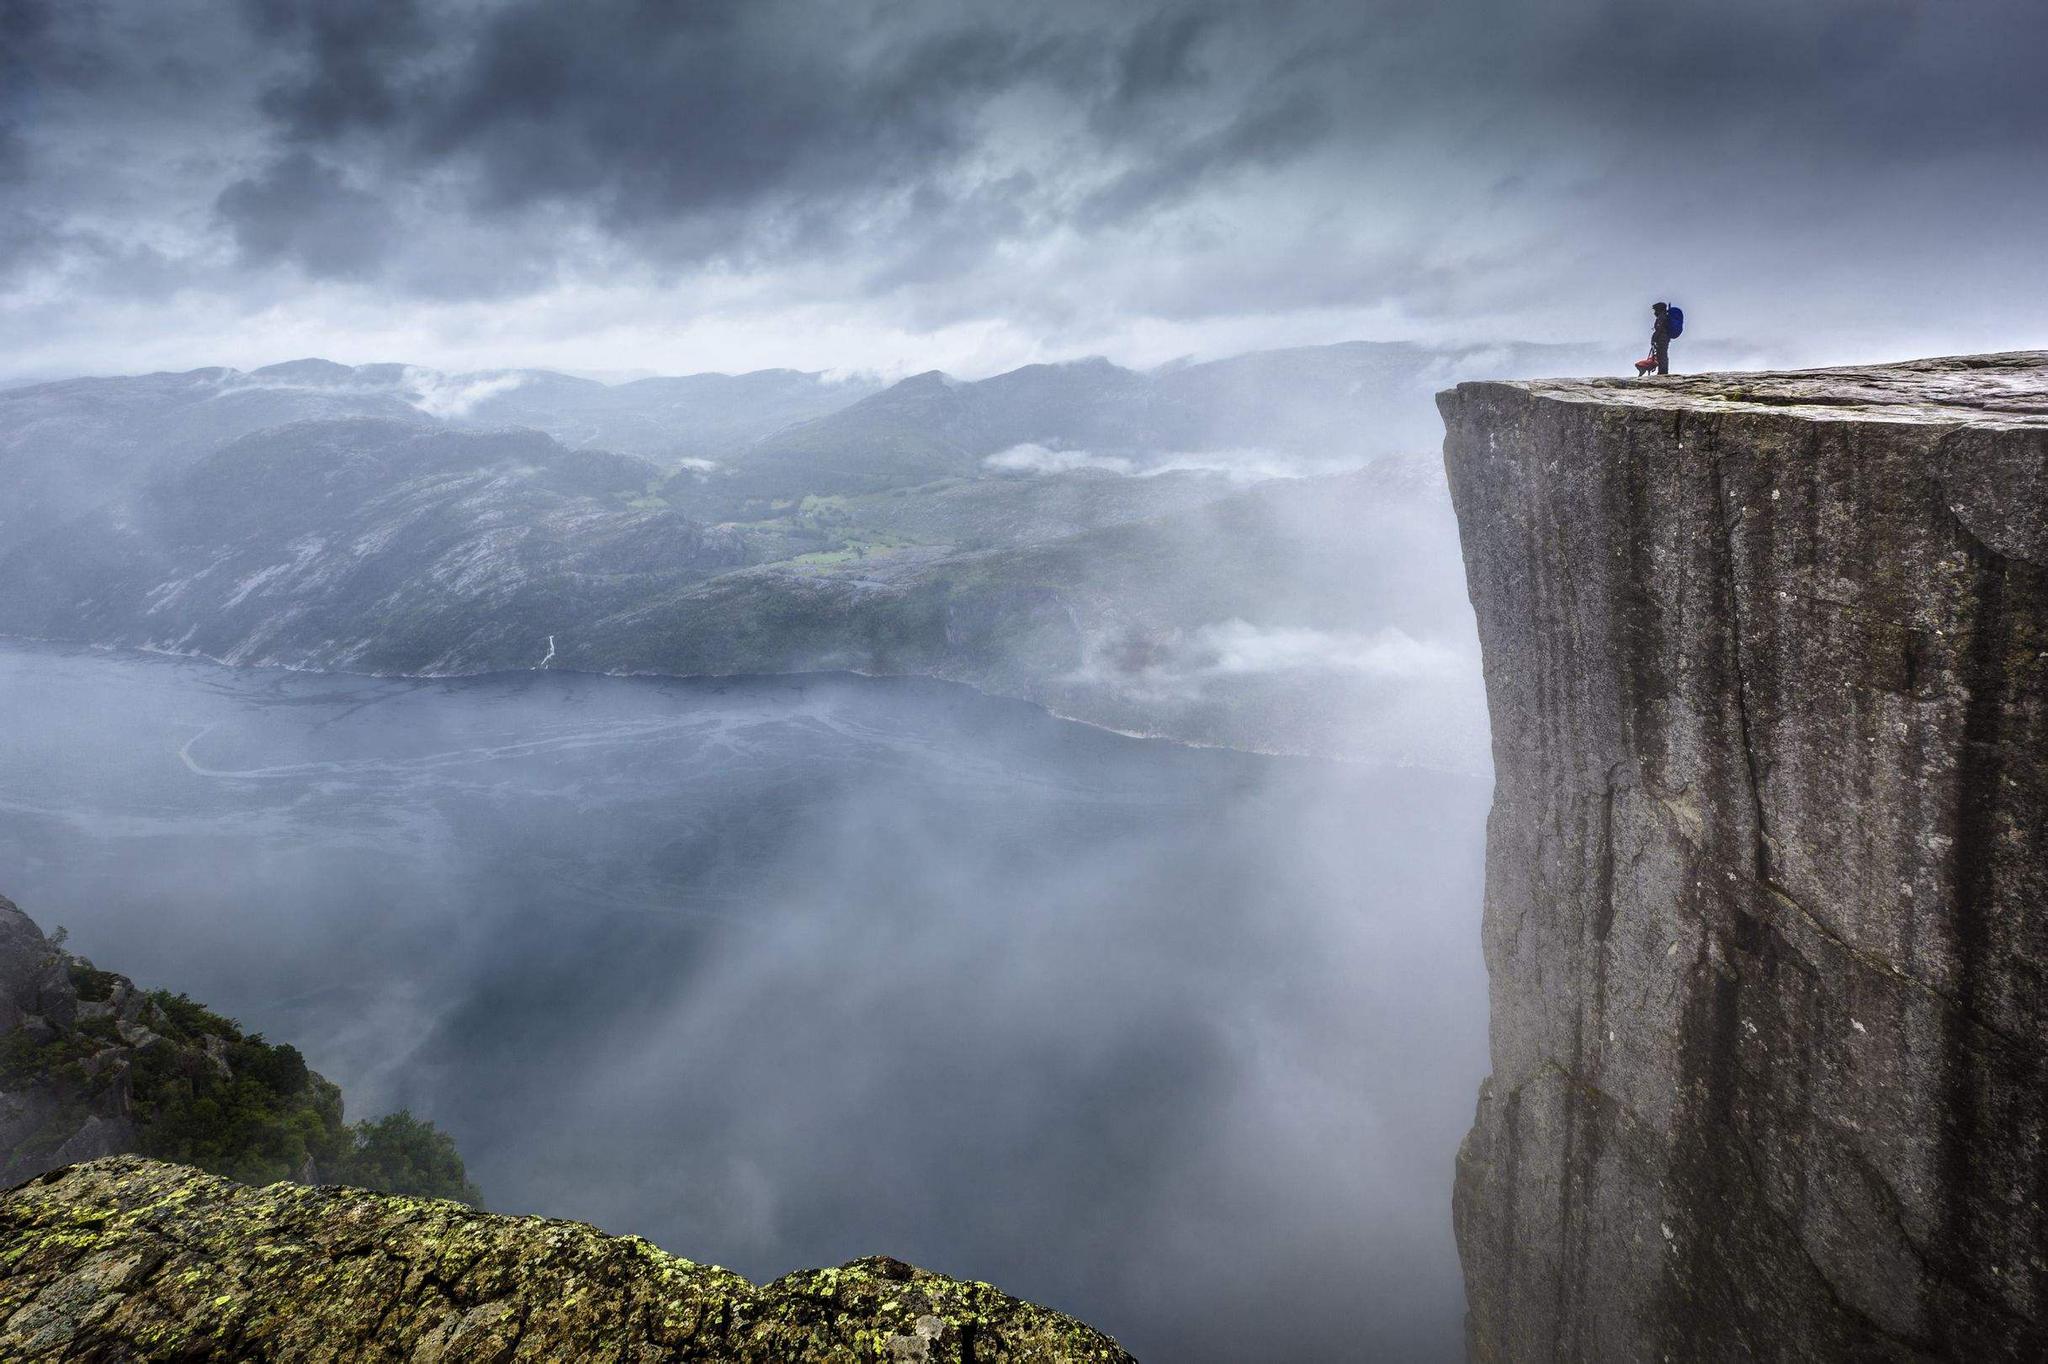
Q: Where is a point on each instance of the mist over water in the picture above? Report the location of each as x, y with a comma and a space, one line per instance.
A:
779, 972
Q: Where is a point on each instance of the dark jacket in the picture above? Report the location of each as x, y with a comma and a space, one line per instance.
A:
1660, 332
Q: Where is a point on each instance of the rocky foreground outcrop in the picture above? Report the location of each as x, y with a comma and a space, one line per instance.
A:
1767, 882
129, 1259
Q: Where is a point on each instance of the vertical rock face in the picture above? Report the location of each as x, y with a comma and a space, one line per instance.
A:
1767, 871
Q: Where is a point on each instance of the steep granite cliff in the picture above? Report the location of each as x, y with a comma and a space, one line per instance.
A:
1767, 871
127, 1259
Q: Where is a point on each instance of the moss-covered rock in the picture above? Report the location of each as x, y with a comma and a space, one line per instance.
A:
131, 1259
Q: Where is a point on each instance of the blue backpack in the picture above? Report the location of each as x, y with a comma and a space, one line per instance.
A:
1674, 318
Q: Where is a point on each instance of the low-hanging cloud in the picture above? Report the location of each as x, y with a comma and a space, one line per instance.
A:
1237, 648
1030, 458
454, 396
1217, 659
302, 210
1238, 466
448, 397
1253, 466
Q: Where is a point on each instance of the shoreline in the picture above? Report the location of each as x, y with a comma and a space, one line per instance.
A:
1144, 736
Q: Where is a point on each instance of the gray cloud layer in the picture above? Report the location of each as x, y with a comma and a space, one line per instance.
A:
860, 178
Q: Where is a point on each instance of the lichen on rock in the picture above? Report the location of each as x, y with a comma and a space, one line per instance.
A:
131, 1259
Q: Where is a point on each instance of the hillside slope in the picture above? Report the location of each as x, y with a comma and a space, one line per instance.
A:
76, 444
91, 1065
366, 544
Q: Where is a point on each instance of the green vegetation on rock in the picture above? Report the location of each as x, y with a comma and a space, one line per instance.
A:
401, 1154
91, 1065
230, 1103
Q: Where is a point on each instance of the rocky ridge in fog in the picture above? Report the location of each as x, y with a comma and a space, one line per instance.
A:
363, 544
92, 1065
56, 1111
72, 445
1767, 658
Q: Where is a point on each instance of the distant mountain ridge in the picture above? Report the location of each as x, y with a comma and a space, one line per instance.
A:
69, 446
369, 543
1363, 399
1080, 534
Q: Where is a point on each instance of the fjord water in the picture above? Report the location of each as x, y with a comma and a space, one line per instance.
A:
781, 971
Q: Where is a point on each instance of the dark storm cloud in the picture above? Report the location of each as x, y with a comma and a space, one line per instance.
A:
21, 233
661, 120
720, 128
717, 115
301, 209
1264, 135
1162, 53
1862, 78
1059, 168
759, 129
36, 57
25, 45
352, 47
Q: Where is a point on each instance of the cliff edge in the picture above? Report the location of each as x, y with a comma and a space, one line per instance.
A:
1767, 870
126, 1258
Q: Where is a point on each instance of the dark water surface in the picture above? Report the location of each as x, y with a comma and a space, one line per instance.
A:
777, 972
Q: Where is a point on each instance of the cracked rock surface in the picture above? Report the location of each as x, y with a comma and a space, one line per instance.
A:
1767, 870
131, 1259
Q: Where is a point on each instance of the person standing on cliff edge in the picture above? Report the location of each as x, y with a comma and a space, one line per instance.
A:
1669, 322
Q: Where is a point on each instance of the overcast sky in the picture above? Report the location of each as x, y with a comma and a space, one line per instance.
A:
900, 184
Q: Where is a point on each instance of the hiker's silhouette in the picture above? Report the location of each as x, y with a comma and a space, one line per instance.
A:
1669, 322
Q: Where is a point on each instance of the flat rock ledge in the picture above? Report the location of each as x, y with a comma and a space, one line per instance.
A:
132, 1259
2005, 390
